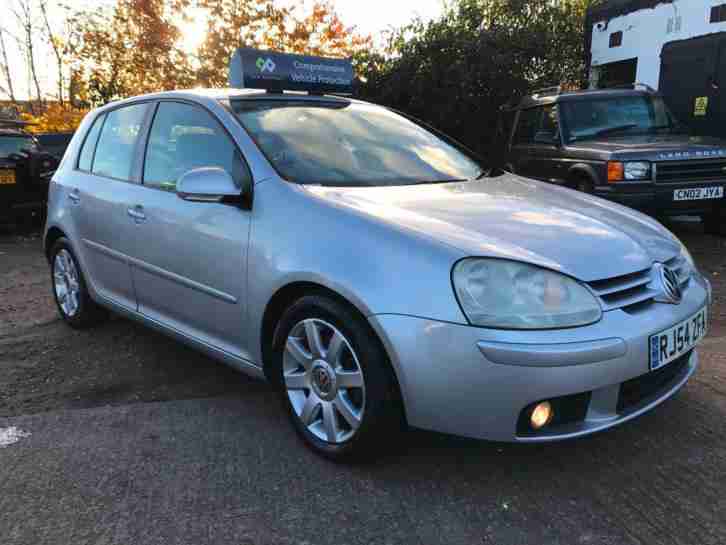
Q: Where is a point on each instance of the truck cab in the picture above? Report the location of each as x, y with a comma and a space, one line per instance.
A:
622, 144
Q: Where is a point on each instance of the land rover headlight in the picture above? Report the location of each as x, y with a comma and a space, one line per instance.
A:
510, 295
636, 170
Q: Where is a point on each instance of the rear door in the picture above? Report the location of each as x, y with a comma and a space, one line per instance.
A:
691, 84
106, 174
189, 259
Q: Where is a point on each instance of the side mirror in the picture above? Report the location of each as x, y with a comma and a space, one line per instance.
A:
210, 184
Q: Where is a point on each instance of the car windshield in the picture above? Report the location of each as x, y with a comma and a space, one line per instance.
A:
592, 118
15, 144
350, 144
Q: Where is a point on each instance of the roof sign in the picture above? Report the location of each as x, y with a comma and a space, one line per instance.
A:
256, 69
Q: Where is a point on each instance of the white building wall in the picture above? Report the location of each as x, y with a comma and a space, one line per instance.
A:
646, 31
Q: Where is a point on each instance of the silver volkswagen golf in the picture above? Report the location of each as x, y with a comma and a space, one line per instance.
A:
370, 269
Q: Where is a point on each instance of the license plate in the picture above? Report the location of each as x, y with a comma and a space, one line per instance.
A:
698, 193
7, 177
672, 343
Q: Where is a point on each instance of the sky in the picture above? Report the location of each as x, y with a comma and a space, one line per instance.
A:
369, 16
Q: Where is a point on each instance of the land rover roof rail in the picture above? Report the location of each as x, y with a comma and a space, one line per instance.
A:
14, 123
635, 86
547, 91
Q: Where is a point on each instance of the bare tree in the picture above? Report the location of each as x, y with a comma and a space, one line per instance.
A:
27, 22
8, 88
55, 43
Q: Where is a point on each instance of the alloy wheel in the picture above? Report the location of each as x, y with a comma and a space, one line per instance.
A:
324, 380
66, 283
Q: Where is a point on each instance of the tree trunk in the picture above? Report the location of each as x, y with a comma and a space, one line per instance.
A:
6, 70
56, 49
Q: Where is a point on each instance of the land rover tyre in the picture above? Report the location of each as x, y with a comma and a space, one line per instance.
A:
714, 223
70, 289
583, 183
335, 380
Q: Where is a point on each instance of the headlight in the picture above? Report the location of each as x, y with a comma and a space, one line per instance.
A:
636, 170
512, 295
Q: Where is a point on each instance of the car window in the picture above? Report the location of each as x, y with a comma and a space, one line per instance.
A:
548, 128
615, 115
527, 126
115, 150
185, 137
85, 159
350, 144
16, 144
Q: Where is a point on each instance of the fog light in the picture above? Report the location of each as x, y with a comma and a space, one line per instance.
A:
541, 415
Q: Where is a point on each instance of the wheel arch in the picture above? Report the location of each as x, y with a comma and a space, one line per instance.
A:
579, 171
284, 297
51, 236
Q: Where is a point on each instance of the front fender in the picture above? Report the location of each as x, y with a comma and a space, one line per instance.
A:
381, 269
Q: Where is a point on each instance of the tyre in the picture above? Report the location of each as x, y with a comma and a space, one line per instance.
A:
335, 380
70, 289
584, 185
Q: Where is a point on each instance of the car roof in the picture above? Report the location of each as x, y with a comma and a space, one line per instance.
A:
216, 95
545, 99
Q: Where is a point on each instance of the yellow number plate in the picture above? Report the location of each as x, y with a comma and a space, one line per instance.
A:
7, 177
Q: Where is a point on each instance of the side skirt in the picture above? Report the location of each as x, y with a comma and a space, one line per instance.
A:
240, 364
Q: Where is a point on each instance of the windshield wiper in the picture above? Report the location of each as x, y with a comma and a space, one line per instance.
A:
484, 174
619, 128
441, 181
673, 128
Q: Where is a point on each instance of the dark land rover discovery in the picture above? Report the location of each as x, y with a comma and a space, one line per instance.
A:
620, 144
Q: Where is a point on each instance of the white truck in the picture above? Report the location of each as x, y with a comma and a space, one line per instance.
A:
675, 46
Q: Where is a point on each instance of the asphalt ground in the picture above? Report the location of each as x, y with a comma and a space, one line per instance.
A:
119, 435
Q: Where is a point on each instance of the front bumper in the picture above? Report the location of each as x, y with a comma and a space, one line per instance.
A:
658, 198
476, 382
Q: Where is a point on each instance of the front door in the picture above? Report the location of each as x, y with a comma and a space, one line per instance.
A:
523, 142
189, 259
536, 149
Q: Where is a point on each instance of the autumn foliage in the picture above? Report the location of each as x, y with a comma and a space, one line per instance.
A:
55, 117
137, 46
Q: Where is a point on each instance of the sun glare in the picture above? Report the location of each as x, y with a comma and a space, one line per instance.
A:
193, 29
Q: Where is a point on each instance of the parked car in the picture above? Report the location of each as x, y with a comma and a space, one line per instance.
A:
25, 171
55, 143
620, 144
372, 271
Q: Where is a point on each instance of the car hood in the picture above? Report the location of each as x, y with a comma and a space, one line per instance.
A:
518, 218
654, 144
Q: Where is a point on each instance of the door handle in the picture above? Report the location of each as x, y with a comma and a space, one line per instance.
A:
137, 213
75, 196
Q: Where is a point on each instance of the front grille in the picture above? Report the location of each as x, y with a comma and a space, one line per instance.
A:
640, 388
631, 290
690, 171
682, 269
624, 291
